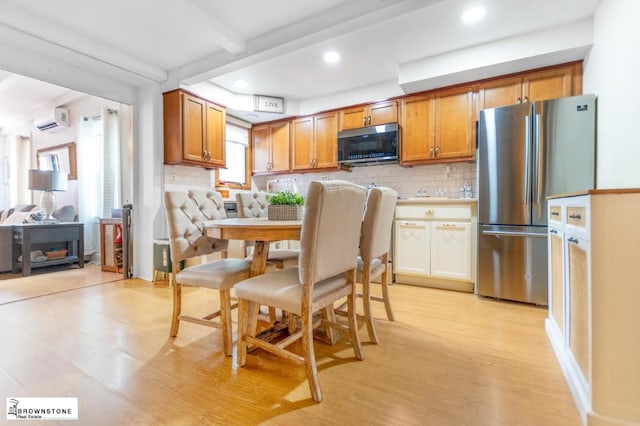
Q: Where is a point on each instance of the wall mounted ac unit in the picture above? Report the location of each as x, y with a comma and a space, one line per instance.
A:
59, 117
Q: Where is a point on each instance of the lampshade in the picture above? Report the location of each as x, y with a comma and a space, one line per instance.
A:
47, 180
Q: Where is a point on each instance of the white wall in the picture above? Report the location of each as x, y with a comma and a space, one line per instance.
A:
611, 72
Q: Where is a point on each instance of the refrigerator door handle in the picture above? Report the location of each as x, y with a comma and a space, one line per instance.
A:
527, 160
537, 193
514, 234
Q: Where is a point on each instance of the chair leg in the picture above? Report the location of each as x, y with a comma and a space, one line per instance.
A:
385, 294
225, 317
309, 355
247, 325
366, 303
242, 330
353, 326
155, 277
177, 304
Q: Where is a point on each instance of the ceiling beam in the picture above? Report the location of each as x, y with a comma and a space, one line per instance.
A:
222, 35
63, 38
342, 19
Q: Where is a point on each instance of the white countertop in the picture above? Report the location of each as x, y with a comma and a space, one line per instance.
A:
437, 200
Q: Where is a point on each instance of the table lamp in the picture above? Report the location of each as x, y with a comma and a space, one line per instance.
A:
47, 181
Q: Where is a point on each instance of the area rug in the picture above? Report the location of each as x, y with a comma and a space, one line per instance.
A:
46, 281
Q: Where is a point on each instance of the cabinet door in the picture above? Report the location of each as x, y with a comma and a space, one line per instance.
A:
215, 140
500, 92
578, 288
353, 118
280, 147
451, 250
548, 84
193, 128
302, 143
556, 275
417, 127
411, 248
326, 140
260, 143
382, 113
454, 124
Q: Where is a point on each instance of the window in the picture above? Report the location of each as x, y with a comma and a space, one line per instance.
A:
237, 174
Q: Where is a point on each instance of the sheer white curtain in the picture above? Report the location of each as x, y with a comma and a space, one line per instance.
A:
99, 173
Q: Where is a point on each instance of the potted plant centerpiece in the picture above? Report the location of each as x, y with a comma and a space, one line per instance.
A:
285, 205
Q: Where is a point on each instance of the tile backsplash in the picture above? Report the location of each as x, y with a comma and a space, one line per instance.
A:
408, 181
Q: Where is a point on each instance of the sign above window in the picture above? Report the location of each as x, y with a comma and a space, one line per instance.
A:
268, 104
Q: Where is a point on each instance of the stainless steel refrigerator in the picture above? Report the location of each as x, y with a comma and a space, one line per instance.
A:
525, 153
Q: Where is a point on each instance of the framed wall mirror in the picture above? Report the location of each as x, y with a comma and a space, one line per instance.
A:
59, 158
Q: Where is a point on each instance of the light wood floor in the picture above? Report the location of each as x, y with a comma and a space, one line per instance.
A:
449, 359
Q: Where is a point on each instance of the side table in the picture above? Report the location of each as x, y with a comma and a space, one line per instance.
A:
67, 235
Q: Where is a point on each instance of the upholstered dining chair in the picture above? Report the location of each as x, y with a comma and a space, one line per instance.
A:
325, 273
186, 211
255, 204
375, 243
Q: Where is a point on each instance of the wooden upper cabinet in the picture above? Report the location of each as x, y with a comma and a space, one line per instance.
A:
302, 149
194, 130
326, 140
437, 126
500, 92
369, 115
314, 141
549, 83
270, 144
455, 123
215, 134
417, 128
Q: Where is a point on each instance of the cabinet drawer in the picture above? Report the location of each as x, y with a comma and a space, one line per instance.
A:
555, 213
433, 212
577, 216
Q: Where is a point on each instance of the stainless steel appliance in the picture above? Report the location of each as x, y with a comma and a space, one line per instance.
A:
525, 153
368, 145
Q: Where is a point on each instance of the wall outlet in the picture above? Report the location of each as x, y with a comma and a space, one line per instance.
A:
173, 179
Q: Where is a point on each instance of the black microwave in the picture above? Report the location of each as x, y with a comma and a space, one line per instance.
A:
368, 145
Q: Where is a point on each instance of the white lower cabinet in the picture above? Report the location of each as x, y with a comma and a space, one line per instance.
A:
594, 295
433, 245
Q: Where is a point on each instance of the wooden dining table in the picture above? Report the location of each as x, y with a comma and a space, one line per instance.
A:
261, 230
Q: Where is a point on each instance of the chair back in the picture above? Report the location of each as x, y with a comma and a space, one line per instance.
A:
330, 230
252, 204
186, 211
375, 239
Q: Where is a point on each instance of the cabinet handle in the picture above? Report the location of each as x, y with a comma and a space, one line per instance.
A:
364, 120
553, 231
437, 151
369, 120
526, 99
430, 211
519, 100
575, 216
431, 153
555, 213
449, 225
573, 240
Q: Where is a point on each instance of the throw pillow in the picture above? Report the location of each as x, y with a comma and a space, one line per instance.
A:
17, 218
5, 214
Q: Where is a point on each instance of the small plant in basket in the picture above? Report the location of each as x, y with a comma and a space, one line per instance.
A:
285, 205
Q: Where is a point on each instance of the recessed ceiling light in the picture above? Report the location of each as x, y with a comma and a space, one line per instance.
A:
473, 14
331, 57
241, 84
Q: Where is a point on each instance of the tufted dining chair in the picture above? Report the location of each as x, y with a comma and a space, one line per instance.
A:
186, 211
255, 204
325, 273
